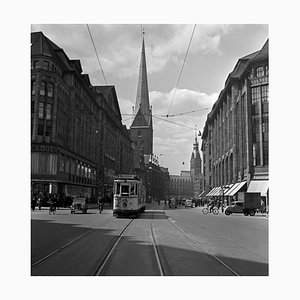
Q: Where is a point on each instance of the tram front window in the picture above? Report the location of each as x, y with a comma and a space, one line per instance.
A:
117, 188
125, 190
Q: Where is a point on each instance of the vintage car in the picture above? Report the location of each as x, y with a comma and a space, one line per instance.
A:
79, 204
189, 203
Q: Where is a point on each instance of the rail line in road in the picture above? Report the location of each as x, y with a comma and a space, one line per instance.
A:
207, 251
45, 258
108, 256
157, 256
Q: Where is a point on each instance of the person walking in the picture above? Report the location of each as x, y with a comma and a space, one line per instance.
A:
100, 205
33, 203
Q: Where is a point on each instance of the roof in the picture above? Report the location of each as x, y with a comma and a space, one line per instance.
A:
142, 96
238, 71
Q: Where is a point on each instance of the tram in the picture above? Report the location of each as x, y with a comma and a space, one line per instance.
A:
129, 196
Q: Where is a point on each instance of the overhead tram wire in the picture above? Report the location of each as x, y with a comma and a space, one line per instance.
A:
181, 69
96, 53
174, 115
174, 123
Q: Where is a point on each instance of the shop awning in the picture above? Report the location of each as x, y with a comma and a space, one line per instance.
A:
259, 186
216, 192
233, 186
203, 194
236, 187
211, 192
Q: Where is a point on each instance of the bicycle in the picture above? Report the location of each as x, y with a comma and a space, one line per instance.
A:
207, 210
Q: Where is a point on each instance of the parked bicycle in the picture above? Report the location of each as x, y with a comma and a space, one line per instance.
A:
213, 210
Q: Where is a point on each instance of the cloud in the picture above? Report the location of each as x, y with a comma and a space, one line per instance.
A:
174, 136
119, 46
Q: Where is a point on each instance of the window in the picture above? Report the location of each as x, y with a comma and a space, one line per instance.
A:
48, 130
139, 133
45, 65
267, 70
117, 191
41, 110
255, 99
132, 191
35, 64
50, 90
33, 87
125, 190
43, 88
48, 111
259, 72
40, 128
61, 165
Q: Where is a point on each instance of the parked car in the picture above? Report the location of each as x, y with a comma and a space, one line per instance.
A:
79, 204
189, 203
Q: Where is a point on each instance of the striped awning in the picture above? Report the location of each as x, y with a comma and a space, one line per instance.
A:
211, 192
235, 188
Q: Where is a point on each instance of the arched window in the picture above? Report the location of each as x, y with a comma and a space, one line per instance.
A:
50, 90
43, 88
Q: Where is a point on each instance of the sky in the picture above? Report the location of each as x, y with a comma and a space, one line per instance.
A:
187, 98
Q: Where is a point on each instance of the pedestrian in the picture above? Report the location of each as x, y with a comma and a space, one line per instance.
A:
100, 205
33, 203
39, 203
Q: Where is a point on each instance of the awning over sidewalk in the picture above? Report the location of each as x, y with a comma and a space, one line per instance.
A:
203, 194
233, 186
236, 187
259, 186
211, 192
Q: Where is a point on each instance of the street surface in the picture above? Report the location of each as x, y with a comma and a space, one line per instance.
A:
163, 241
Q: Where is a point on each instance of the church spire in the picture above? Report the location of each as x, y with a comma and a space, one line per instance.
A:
142, 96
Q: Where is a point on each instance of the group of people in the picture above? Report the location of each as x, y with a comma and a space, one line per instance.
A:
38, 200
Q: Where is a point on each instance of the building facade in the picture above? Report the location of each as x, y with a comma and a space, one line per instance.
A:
235, 139
72, 126
181, 186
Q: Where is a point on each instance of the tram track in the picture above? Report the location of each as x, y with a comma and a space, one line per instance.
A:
156, 250
64, 246
198, 245
108, 257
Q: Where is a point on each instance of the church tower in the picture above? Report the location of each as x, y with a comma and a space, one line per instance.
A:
195, 161
141, 131
195, 168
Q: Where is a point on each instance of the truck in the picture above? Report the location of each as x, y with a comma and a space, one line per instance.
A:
247, 203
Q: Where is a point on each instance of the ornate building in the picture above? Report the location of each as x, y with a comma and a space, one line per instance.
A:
195, 169
235, 140
78, 141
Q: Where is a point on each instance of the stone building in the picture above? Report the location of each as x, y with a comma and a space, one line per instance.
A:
196, 170
73, 126
181, 185
235, 139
